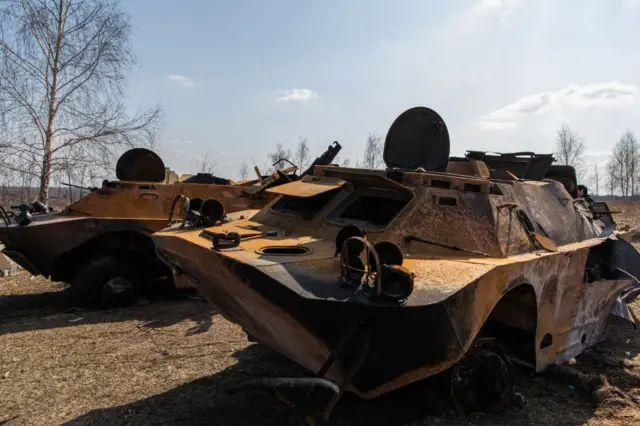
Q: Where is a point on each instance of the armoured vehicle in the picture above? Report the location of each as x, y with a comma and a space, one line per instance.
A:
101, 243
376, 279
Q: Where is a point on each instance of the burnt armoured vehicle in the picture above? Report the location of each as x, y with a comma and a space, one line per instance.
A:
376, 279
101, 244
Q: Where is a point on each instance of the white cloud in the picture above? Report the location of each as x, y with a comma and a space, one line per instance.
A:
181, 142
297, 95
495, 125
488, 4
611, 93
481, 15
181, 80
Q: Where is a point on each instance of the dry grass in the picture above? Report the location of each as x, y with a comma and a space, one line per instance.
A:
172, 361
629, 214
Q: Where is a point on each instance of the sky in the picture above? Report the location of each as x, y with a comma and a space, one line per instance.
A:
237, 77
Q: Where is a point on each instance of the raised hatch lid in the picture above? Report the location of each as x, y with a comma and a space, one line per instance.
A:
140, 165
417, 138
308, 186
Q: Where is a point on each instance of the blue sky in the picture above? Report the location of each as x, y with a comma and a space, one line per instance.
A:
235, 78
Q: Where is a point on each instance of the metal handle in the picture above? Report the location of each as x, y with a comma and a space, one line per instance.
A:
232, 240
369, 250
186, 203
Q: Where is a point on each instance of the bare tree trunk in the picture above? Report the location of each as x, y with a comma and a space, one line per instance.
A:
43, 195
570, 150
29, 184
62, 81
70, 188
45, 177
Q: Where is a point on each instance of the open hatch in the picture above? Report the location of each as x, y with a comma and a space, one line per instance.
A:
367, 179
308, 186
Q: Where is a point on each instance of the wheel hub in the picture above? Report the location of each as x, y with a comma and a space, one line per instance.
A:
117, 286
483, 380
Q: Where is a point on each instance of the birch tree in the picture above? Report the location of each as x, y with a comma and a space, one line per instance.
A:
63, 77
372, 152
244, 170
570, 149
279, 158
206, 164
624, 165
302, 155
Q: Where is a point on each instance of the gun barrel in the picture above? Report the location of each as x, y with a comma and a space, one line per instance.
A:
326, 158
75, 186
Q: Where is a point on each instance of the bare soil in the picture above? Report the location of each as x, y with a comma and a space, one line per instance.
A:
174, 361
627, 214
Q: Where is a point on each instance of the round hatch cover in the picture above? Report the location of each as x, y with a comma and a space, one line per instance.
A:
417, 138
140, 165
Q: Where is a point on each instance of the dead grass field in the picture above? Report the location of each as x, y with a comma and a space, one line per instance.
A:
629, 214
173, 360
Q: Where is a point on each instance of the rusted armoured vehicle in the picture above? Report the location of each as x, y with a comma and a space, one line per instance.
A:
101, 244
375, 279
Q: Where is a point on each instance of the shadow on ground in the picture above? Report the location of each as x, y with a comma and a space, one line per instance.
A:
209, 401
57, 306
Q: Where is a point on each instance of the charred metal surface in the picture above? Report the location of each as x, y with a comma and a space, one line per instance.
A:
417, 138
117, 219
472, 256
140, 165
118, 207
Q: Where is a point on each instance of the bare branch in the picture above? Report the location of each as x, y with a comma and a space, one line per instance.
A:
570, 150
278, 158
63, 75
206, 164
372, 152
624, 166
301, 158
244, 170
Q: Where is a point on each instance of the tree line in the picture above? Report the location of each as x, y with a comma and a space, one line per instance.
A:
301, 157
621, 174
64, 66
620, 177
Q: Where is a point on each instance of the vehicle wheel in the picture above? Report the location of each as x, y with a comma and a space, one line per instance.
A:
109, 282
484, 379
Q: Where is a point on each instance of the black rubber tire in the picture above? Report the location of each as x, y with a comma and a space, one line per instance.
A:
489, 389
91, 282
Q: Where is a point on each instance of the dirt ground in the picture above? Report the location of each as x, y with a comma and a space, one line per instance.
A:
173, 360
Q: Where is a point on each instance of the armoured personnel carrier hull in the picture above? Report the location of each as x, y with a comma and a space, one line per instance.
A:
101, 244
375, 279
